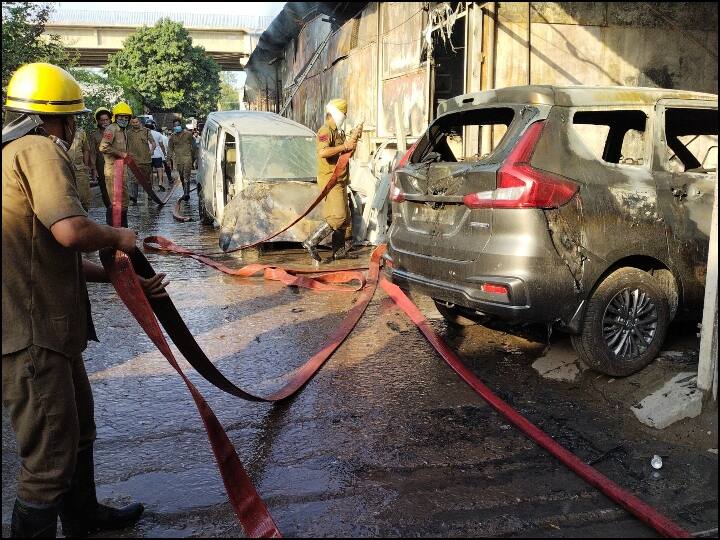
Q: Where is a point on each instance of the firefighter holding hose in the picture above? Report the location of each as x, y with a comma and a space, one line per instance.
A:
114, 146
46, 319
331, 143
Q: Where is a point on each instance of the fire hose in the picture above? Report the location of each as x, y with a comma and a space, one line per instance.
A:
247, 504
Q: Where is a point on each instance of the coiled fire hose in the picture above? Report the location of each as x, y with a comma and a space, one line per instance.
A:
247, 504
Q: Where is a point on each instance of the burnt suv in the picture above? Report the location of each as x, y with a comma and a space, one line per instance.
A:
587, 208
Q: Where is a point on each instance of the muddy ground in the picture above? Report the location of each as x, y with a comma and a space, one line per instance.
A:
386, 440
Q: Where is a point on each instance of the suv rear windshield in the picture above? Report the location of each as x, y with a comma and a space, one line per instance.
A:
277, 158
459, 136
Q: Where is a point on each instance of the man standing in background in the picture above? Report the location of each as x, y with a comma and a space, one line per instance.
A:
141, 146
80, 156
97, 160
182, 155
114, 146
159, 154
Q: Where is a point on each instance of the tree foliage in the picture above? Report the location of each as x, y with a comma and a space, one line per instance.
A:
165, 72
23, 24
229, 99
98, 91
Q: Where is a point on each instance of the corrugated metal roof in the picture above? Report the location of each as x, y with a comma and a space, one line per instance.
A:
189, 20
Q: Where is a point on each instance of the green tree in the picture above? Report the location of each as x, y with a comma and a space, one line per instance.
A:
229, 97
165, 72
98, 91
23, 42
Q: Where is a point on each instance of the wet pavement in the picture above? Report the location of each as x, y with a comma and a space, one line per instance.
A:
386, 440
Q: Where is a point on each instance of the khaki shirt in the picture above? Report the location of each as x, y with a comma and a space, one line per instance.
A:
138, 144
327, 137
44, 296
113, 140
97, 160
181, 146
77, 152
78, 149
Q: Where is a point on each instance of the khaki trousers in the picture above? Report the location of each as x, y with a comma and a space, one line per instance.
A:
146, 169
183, 165
50, 403
336, 211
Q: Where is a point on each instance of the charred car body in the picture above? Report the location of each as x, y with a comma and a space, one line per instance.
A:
256, 173
590, 211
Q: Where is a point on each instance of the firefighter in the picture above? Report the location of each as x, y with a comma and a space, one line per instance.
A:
114, 146
46, 320
141, 146
331, 142
80, 157
182, 154
97, 161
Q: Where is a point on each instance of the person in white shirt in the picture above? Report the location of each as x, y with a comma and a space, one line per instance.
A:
159, 154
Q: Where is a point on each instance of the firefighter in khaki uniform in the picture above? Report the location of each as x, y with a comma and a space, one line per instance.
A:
114, 146
80, 156
331, 142
141, 146
46, 320
181, 152
97, 160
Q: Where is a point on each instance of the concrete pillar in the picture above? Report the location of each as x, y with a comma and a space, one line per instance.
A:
708, 368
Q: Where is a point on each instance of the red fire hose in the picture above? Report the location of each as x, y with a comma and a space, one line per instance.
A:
249, 507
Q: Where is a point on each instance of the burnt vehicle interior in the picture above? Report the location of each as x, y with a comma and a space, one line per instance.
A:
691, 136
613, 136
229, 158
444, 140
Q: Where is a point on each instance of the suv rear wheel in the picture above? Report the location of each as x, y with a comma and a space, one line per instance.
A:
453, 315
625, 323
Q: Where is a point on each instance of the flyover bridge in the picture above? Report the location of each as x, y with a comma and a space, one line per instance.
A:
229, 39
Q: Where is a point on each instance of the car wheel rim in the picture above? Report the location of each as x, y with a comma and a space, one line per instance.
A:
630, 323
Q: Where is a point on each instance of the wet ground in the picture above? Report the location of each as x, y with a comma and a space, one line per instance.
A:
386, 440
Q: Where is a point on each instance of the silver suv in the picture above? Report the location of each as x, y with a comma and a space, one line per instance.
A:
583, 207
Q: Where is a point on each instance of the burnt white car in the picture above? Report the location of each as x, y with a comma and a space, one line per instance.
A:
257, 171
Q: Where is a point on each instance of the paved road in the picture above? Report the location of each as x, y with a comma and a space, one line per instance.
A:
385, 441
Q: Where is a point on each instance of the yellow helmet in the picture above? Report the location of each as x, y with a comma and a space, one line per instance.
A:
100, 110
121, 108
339, 104
41, 88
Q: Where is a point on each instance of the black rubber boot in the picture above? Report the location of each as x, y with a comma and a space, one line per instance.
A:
315, 238
186, 191
81, 514
341, 248
28, 522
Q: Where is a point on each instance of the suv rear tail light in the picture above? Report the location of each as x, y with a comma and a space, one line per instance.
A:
403, 160
521, 186
396, 195
492, 288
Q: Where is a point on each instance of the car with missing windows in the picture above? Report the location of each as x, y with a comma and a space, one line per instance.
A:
257, 171
585, 208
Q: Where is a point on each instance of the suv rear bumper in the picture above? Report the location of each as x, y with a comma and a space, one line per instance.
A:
525, 301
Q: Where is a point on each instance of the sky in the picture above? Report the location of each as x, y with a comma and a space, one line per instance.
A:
234, 8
